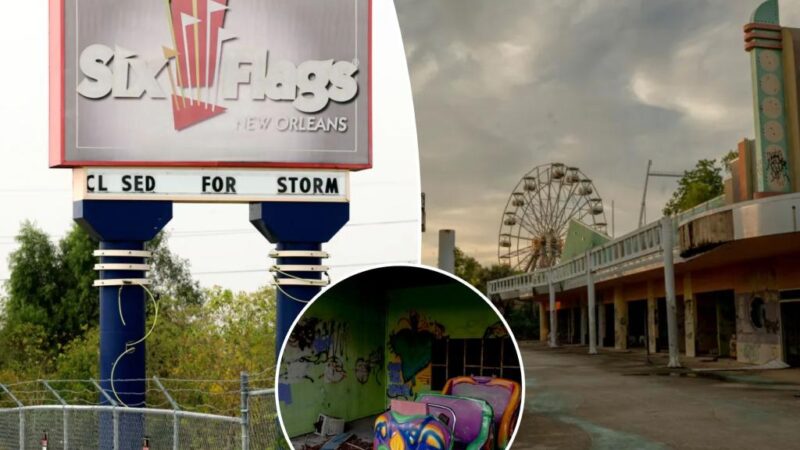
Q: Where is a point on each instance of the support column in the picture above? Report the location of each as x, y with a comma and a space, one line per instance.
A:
299, 230
620, 320
592, 305
544, 327
690, 315
553, 311
601, 324
667, 244
123, 228
584, 322
652, 319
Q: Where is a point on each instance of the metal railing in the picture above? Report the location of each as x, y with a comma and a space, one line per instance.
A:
56, 424
639, 248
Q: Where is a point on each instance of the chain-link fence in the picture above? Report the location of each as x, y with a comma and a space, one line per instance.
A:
265, 431
59, 424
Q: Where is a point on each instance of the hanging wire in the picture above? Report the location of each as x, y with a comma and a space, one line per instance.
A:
276, 270
130, 347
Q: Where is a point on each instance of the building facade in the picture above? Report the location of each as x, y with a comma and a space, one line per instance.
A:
726, 270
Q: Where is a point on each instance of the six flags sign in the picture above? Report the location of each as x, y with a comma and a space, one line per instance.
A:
264, 83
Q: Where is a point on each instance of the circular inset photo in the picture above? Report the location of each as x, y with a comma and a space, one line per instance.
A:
400, 357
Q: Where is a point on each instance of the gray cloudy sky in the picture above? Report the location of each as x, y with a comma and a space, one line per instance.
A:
502, 86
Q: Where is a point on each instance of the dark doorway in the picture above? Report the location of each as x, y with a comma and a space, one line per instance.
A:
716, 323
563, 319
569, 325
662, 341
575, 336
637, 323
706, 336
608, 338
790, 323
726, 322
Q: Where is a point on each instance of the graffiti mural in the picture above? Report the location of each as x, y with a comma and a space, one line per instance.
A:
397, 387
371, 365
777, 166
316, 350
411, 346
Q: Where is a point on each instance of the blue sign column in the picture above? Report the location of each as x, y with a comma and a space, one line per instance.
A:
123, 228
299, 230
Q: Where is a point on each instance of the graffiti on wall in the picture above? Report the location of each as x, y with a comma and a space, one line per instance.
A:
777, 166
371, 365
316, 350
758, 328
398, 388
411, 346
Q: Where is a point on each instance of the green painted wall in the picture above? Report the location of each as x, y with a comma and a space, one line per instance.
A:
334, 363
340, 360
580, 238
415, 317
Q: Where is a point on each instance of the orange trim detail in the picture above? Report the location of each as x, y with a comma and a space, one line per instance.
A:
759, 34
761, 26
761, 44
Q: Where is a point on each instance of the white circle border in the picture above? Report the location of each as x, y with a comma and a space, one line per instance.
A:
481, 295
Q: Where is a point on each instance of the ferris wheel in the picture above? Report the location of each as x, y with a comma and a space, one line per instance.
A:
538, 212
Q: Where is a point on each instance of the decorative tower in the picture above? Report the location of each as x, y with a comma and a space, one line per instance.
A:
763, 40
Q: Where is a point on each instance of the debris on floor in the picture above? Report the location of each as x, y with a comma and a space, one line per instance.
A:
346, 441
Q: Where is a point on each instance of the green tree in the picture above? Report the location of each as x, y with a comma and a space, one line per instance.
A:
520, 317
468, 268
77, 306
50, 294
471, 271
34, 286
698, 185
171, 275
728, 158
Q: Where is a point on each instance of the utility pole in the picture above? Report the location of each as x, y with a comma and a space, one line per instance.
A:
650, 173
447, 250
613, 215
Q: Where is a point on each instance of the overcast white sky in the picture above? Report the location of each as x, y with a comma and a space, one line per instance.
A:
218, 240
605, 85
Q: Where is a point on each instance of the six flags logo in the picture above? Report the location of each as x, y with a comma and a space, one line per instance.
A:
203, 77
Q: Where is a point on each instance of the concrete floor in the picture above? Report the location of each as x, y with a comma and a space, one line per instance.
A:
616, 401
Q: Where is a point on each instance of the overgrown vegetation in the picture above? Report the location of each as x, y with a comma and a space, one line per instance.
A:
699, 185
49, 318
471, 271
519, 315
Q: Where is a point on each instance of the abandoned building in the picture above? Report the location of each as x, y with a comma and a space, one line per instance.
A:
721, 279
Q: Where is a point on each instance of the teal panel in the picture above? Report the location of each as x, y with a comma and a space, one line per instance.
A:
580, 238
767, 12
